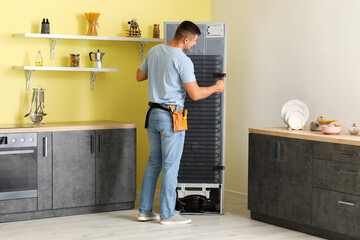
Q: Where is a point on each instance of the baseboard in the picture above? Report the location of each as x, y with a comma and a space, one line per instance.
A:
236, 195
228, 194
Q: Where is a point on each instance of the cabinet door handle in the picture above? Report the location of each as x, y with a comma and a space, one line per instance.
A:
276, 147
348, 154
92, 144
100, 143
346, 203
278, 151
344, 172
273, 151
45, 151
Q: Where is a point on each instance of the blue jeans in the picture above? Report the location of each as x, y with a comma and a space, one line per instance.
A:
166, 147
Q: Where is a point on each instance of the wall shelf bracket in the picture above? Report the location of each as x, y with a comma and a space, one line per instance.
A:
28, 77
142, 46
53, 43
93, 76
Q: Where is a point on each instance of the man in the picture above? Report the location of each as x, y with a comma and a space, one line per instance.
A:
170, 75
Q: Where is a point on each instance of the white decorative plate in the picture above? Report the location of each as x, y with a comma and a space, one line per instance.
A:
294, 106
296, 121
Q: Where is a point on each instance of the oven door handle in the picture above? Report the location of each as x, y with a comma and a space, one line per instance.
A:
16, 152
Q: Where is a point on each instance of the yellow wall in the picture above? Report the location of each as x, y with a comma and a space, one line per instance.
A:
117, 96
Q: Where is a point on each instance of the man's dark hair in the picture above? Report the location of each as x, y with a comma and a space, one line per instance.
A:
186, 29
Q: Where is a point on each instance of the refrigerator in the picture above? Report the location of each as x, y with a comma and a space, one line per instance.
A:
201, 176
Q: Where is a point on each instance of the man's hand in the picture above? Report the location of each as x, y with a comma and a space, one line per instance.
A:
197, 93
220, 86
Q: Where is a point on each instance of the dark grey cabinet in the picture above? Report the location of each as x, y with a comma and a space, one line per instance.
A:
263, 174
336, 192
94, 167
73, 169
295, 180
336, 212
280, 177
115, 166
45, 162
79, 172
309, 186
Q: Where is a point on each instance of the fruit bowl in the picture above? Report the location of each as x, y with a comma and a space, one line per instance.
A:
331, 130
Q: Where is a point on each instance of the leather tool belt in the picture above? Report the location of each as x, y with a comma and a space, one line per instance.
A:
179, 117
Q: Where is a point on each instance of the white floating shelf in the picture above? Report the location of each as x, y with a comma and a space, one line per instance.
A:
85, 37
72, 69
94, 71
56, 37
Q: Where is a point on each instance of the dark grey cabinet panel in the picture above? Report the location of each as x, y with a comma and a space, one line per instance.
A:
73, 169
45, 183
115, 166
295, 180
337, 176
337, 212
18, 205
263, 175
336, 152
280, 177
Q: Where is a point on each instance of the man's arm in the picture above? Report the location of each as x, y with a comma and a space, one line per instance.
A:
197, 93
141, 76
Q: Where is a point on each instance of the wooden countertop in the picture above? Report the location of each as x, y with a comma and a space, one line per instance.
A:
342, 138
63, 126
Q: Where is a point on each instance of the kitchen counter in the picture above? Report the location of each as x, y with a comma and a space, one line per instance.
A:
342, 138
64, 126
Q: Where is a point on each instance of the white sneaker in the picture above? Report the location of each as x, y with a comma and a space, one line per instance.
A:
176, 219
148, 216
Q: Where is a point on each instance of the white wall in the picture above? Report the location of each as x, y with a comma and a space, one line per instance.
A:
279, 50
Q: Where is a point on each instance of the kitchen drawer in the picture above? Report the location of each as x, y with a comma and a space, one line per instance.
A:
336, 212
336, 152
337, 176
18, 205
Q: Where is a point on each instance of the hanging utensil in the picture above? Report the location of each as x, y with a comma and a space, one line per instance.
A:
43, 102
34, 114
32, 102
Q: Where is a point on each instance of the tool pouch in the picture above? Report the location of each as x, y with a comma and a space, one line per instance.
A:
179, 120
179, 117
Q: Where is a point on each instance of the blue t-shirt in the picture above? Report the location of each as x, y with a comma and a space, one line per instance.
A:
168, 68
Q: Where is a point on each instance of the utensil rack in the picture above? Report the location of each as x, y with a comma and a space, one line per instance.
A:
94, 71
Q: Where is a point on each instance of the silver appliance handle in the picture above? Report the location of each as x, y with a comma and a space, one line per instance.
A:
18, 194
16, 152
346, 203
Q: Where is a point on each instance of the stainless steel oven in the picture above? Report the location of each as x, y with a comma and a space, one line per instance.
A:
18, 166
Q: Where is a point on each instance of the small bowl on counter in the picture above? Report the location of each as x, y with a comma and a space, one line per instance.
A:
331, 129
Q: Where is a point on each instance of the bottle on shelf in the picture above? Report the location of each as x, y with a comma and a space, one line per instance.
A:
39, 59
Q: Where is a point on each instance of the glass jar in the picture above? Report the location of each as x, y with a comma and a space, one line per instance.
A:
74, 60
156, 31
92, 29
